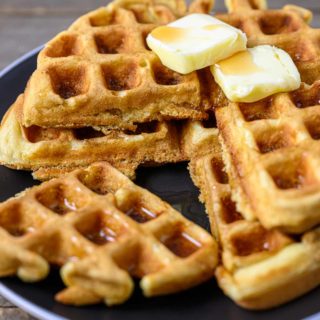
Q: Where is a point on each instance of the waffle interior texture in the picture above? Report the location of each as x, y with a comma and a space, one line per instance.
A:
52, 151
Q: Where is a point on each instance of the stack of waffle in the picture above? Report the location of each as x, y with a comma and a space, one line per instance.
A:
99, 93
258, 169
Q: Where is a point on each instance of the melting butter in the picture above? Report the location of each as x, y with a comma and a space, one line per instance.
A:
210, 27
169, 34
257, 73
194, 42
241, 63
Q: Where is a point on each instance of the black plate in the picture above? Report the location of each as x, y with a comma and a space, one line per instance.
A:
173, 184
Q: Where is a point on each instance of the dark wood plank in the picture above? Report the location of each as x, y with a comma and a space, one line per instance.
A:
21, 34
4, 303
75, 6
14, 314
24, 27
48, 7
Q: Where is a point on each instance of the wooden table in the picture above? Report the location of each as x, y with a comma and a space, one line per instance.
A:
26, 24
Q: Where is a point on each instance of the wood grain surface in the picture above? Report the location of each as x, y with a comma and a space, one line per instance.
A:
26, 24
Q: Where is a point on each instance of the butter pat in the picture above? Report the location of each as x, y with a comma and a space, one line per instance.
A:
194, 42
256, 73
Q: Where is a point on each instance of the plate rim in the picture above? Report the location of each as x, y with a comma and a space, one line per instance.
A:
18, 61
28, 306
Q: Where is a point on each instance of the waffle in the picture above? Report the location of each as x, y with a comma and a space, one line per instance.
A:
272, 152
287, 28
100, 72
199, 138
259, 268
102, 230
52, 151
270, 147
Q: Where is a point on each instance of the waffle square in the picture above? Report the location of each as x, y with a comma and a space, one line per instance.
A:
260, 268
102, 230
100, 72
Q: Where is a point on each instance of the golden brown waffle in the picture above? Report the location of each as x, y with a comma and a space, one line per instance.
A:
270, 146
100, 72
56, 150
199, 137
102, 230
287, 28
259, 268
271, 150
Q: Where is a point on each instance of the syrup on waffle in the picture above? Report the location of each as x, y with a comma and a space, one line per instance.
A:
101, 72
54, 151
286, 28
259, 268
102, 229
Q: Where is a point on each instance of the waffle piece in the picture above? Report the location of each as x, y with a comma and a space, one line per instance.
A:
57, 150
102, 230
199, 138
48, 173
259, 268
287, 28
101, 72
271, 151
270, 147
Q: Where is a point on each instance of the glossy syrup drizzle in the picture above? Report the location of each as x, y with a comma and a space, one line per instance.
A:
241, 63
101, 235
140, 214
181, 244
170, 34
